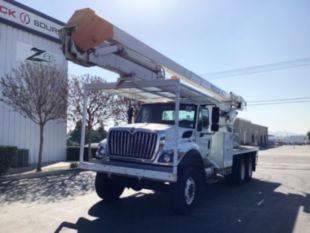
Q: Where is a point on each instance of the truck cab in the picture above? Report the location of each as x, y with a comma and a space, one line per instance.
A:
150, 139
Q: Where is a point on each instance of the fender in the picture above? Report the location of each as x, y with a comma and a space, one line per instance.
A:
192, 158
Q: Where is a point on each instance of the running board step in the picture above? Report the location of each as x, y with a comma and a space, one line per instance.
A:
212, 181
209, 171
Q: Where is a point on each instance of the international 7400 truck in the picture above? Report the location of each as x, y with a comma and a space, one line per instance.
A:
182, 136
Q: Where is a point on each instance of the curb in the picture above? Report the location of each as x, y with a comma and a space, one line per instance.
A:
37, 175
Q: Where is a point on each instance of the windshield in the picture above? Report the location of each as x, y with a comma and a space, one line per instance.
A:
164, 114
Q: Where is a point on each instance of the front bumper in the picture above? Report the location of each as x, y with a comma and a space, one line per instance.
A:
140, 171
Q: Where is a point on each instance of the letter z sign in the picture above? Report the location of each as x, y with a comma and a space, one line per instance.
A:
40, 56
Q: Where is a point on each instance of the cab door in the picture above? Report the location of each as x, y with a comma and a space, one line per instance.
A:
203, 135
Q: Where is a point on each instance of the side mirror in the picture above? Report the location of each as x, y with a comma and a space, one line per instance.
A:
215, 119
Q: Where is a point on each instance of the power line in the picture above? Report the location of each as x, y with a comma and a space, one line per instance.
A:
259, 68
274, 103
278, 100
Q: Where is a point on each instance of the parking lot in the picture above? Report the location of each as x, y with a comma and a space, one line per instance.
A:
277, 200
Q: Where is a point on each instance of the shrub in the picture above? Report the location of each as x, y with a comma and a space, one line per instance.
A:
22, 158
8, 155
74, 164
73, 153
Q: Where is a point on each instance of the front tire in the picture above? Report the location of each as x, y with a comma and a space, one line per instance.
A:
186, 191
107, 189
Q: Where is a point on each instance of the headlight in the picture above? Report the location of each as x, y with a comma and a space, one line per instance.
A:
166, 157
100, 153
162, 141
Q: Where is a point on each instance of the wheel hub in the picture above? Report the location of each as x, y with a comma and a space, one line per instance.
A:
190, 191
250, 170
242, 171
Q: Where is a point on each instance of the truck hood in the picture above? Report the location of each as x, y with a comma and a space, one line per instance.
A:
163, 129
145, 126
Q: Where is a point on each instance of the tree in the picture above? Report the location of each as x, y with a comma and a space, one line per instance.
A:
127, 109
75, 134
38, 92
95, 135
308, 135
100, 108
102, 132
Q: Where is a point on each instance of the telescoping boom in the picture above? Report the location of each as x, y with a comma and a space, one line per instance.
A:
90, 40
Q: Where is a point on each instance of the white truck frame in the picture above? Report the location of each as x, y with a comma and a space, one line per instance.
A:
89, 40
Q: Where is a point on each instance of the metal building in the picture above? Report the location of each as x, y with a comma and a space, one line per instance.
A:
29, 35
247, 133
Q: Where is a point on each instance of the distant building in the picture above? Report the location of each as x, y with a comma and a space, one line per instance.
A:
295, 139
272, 139
247, 133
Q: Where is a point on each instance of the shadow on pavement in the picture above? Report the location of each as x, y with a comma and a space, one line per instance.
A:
50, 188
255, 207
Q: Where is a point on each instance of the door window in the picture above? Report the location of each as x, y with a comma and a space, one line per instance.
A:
203, 123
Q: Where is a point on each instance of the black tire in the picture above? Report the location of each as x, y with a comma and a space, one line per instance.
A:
107, 189
185, 193
249, 169
239, 171
229, 179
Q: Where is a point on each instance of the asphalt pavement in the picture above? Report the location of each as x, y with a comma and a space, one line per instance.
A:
277, 200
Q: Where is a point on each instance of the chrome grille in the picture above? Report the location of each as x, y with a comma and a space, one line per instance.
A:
139, 145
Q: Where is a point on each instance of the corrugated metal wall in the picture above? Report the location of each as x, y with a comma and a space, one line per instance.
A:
15, 130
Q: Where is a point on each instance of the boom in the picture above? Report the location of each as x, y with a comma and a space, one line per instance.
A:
89, 40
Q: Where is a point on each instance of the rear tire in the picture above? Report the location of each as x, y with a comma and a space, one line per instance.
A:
229, 179
107, 189
249, 169
239, 171
185, 193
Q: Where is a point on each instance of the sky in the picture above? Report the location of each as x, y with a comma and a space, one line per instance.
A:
208, 36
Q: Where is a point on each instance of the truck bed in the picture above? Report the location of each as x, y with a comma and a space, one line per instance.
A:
244, 149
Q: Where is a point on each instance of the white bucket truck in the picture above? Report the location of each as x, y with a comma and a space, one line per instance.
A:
183, 134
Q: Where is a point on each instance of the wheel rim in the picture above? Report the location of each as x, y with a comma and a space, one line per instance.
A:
190, 190
242, 171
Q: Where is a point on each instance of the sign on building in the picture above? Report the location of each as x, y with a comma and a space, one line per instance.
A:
18, 15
